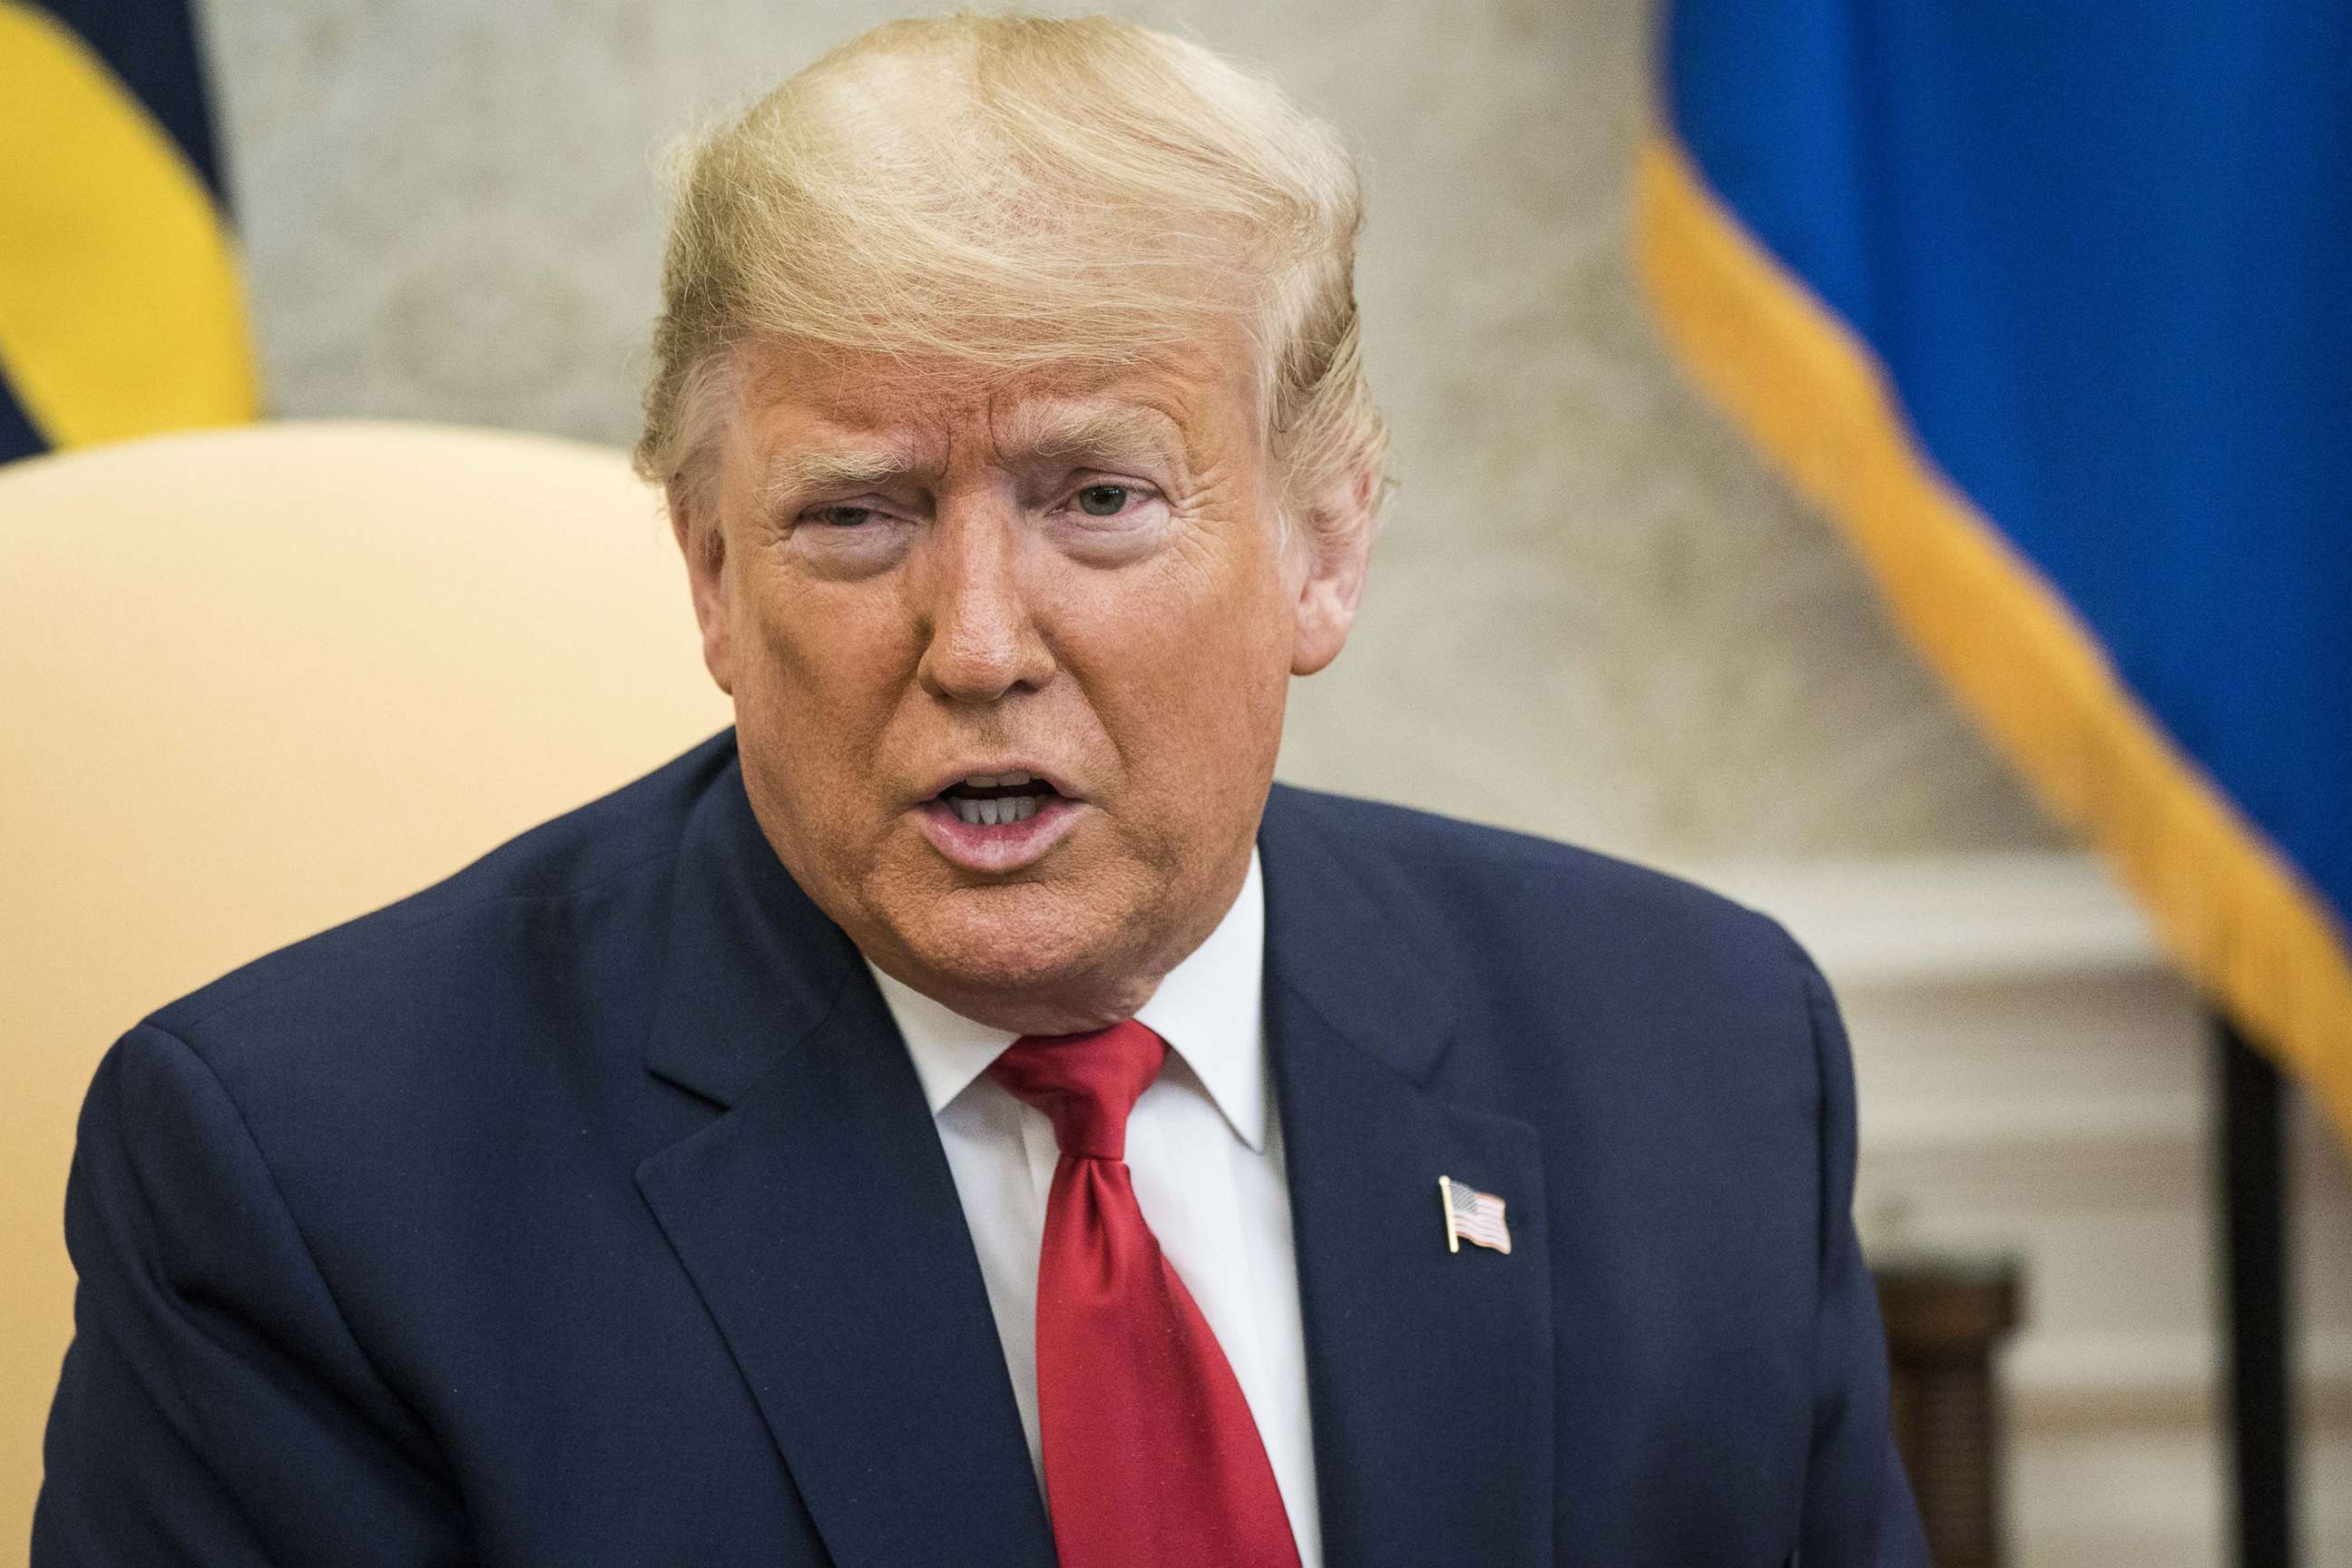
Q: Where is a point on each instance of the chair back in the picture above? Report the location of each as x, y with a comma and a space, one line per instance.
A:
255, 681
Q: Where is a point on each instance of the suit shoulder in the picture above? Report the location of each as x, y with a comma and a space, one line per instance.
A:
1471, 872
628, 834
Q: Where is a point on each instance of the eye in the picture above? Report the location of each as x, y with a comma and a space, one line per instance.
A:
843, 516
1103, 500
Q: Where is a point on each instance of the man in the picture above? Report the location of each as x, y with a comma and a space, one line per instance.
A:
966, 1115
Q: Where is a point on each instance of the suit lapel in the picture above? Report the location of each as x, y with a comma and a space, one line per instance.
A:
1429, 1371
819, 1221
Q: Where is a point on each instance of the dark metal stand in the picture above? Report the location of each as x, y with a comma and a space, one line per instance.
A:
2251, 1186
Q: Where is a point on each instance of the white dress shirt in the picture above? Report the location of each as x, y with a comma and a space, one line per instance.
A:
1205, 1151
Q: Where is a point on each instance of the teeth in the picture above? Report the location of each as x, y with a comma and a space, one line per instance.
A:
985, 781
1014, 780
995, 812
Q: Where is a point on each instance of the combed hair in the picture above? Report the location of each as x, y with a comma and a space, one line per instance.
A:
1011, 193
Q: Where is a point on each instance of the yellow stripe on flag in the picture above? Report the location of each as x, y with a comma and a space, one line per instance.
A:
119, 308
2233, 911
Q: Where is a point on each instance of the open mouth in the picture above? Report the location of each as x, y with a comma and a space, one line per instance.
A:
998, 823
993, 800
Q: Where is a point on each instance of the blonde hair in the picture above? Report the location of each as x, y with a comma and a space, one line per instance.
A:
1012, 194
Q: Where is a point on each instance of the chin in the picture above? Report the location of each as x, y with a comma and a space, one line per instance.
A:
1025, 947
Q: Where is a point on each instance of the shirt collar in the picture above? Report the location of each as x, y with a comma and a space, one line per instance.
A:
1208, 1009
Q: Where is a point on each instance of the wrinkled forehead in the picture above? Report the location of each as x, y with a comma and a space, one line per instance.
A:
1189, 407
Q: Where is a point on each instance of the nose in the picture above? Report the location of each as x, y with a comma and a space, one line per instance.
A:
983, 642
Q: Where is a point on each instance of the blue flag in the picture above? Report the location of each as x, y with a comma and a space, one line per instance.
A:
121, 309
2049, 305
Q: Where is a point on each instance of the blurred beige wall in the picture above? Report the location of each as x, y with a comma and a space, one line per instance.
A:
1591, 613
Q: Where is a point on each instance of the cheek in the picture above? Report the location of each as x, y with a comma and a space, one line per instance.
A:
1192, 665
1236, 628
818, 645
821, 680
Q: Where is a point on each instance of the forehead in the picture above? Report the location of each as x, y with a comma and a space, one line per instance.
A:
1195, 400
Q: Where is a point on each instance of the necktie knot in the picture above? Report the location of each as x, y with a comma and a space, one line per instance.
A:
1086, 1084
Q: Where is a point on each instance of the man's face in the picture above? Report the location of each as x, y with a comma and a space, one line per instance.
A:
1009, 662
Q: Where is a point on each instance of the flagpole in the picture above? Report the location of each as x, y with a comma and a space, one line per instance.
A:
2253, 1192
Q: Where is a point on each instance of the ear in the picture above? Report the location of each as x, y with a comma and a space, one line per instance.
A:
1338, 546
704, 547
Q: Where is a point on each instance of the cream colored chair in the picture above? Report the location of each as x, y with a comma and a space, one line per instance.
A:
253, 682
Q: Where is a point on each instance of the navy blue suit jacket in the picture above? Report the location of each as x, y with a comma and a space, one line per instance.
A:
584, 1210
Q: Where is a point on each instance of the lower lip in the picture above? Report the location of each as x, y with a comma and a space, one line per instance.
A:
998, 847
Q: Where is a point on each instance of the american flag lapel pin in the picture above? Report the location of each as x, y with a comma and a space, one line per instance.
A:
1472, 1215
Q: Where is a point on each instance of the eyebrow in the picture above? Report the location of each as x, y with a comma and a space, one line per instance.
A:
795, 474
1113, 435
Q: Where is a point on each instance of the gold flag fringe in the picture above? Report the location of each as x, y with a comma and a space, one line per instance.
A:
2232, 912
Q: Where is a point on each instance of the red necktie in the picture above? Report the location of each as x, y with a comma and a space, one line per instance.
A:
1151, 1458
